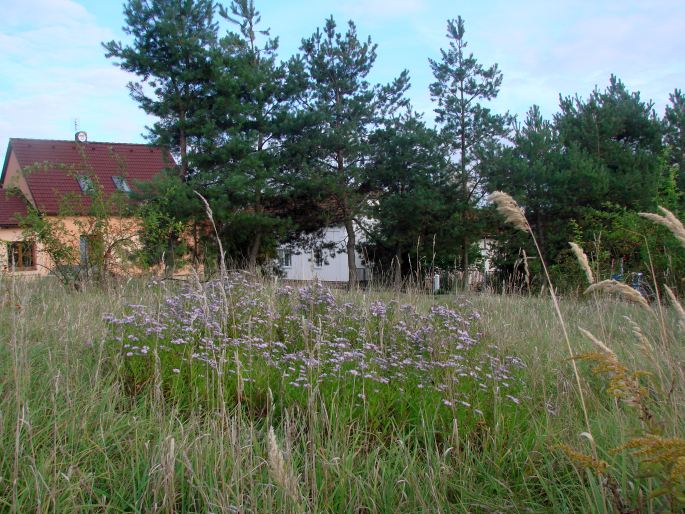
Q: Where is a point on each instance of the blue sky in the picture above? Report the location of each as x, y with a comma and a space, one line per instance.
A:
53, 68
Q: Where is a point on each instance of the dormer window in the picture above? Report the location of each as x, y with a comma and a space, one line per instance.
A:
121, 184
86, 183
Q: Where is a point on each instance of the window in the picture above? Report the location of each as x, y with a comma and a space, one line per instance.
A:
285, 258
318, 258
121, 184
21, 255
86, 183
91, 250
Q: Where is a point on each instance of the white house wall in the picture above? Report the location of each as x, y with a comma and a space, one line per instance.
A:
334, 267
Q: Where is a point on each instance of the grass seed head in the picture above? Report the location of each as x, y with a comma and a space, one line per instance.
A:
583, 261
669, 221
624, 291
599, 344
281, 471
678, 307
511, 211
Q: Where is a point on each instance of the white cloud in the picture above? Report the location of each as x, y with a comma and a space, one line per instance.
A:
43, 13
55, 71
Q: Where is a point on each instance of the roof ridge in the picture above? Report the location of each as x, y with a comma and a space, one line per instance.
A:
149, 145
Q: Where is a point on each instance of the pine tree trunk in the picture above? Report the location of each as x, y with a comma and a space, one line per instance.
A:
351, 260
465, 193
254, 252
182, 143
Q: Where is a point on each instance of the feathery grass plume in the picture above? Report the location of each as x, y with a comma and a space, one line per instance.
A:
623, 383
645, 345
526, 269
515, 215
599, 344
626, 292
584, 461
583, 261
665, 460
281, 472
678, 307
669, 221
167, 467
511, 211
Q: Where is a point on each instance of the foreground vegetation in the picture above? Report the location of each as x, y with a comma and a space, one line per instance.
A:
250, 397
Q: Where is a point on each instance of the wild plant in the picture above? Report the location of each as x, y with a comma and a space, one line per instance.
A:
307, 342
659, 477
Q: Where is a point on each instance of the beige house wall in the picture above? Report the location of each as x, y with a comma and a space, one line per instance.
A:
120, 237
9, 235
15, 178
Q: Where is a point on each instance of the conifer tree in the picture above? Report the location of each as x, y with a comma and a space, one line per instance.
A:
552, 184
170, 53
674, 121
409, 181
470, 130
342, 109
622, 134
240, 160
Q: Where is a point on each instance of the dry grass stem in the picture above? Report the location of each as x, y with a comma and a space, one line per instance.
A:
599, 344
678, 307
624, 291
669, 221
515, 215
210, 216
281, 472
511, 211
583, 261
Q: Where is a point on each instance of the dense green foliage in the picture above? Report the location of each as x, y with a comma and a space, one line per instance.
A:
282, 148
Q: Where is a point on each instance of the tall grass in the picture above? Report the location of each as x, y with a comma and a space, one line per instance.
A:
84, 427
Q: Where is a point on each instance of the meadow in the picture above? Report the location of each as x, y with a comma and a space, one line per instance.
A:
245, 395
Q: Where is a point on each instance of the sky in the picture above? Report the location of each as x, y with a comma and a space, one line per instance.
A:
53, 71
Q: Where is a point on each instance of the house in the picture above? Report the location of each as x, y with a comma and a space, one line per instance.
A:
326, 263
47, 175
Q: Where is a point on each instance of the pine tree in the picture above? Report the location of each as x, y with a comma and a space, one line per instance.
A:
674, 121
240, 160
341, 110
554, 185
470, 130
621, 133
409, 180
170, 53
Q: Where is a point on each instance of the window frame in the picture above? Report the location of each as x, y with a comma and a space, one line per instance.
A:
18, 265
318, 258
120, 184
285, 258
86, 184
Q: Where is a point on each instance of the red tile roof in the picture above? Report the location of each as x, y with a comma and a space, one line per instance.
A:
57, 162
11, 203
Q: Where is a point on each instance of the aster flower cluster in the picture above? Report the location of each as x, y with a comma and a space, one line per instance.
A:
309, 339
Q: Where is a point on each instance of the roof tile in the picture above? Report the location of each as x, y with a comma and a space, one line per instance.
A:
54, 165
12, 203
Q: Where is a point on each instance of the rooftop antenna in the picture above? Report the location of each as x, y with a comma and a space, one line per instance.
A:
79, 135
